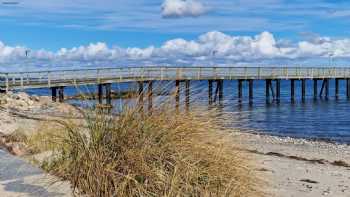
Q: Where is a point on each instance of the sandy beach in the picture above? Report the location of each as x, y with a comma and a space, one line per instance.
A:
297, 167
289, 167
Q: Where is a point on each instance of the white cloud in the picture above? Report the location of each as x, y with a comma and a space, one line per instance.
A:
212, 48
182, 8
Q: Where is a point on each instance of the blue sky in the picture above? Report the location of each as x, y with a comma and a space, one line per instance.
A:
53, 25
43, 24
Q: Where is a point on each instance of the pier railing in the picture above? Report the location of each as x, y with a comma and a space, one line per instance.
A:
41, 79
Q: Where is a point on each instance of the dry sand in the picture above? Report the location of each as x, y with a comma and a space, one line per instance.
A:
297, 167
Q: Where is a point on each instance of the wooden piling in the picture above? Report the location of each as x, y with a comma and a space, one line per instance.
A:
61, 94
315, 89
267, 89
100, 93
292, 90
322, 88
210, 91
278, 90
272, 91
140, 94
240, 87
220, 84
108, 94
303, 89
250, 81
177, 94
187, 93
54, 94
336, 88
150, 96
348, 88
327, 87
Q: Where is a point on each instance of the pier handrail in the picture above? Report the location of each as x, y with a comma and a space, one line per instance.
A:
173, 67
69, 77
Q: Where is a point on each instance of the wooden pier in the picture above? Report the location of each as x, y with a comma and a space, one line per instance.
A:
104, 77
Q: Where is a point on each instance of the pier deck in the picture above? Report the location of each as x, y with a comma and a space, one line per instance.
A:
47, 79
58, 79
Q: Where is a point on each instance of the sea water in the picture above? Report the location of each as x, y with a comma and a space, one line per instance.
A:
319, 119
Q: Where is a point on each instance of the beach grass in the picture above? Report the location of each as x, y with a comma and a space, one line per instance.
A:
161, 152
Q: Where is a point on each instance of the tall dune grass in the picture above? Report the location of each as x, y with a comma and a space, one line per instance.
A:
162, 153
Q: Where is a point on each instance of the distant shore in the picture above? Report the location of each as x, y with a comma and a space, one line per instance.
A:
290, 166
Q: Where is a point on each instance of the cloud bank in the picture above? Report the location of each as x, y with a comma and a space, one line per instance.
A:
212, 48
182, 8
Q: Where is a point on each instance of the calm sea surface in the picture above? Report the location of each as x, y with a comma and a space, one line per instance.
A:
321, 119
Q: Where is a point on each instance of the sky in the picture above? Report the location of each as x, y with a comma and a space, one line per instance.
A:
46, 34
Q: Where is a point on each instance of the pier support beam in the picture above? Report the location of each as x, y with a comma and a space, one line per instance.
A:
303, 89
336, 88
220, 84
315, 88
187, 94
61, 94
54, 94
267, 90
240, 88
108, 87
141, 95
250, 81
348, 88
177, 94
278, 90
100, 93
327, 88
292, 90
150, 96
210, 91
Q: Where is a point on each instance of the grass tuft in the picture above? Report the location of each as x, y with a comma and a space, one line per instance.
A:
162, 153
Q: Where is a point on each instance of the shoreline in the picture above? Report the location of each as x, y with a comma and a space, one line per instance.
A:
311, 139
